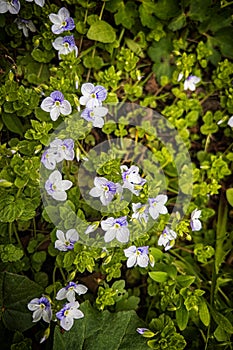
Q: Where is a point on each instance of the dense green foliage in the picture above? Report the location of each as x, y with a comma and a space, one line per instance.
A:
136, 50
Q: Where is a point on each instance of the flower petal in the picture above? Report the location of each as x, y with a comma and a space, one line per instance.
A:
65, 108
60, 235
87, 89
61, 294
67, 323
47, 104
109, 235
131, 261
72, 235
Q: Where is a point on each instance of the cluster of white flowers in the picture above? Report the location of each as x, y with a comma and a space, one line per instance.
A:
58, 151
41, 307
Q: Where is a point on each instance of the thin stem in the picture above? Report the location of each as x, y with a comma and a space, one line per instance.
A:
102, 10
17, 236
10, 231
85, 19
34, 227
63, 275
54, 279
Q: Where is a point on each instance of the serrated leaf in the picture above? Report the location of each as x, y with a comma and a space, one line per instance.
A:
158, 276
126, 14
101, 31
15, 293
101, 330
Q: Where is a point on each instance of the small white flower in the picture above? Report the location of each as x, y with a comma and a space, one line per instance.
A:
41, 309
157, 206
56, 187
167, 238
69, 291
38, 2
195, 223
95, 115
63, 148
93, 96
230, 122
55, 104
66, 241
116, 228
132, 180
190, 82
137, 256
140, 212
68, 313
13, 6
58, 151
61, 21
25, 25
65, 45
105, 189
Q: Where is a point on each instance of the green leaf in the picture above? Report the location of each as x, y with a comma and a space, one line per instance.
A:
229, 194
43, 56
126, 14
158, 276
221, 335
182, 316
177, 22
101, 330
185, 281
200, 10
93, 62
204, 313
165, 9
160, 53
135, 47
15, 293
101, 31
223, 38
222, 321
13, 123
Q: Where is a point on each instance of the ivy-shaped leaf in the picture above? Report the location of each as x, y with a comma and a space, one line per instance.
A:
15, 293
101, 330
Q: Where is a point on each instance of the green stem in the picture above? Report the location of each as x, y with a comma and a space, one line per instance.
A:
85, 19
34, 227
82, 149
54, 279
17, 236
63, 275
10, 231
101, 11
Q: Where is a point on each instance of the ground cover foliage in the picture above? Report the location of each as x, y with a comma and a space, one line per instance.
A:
146, 262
